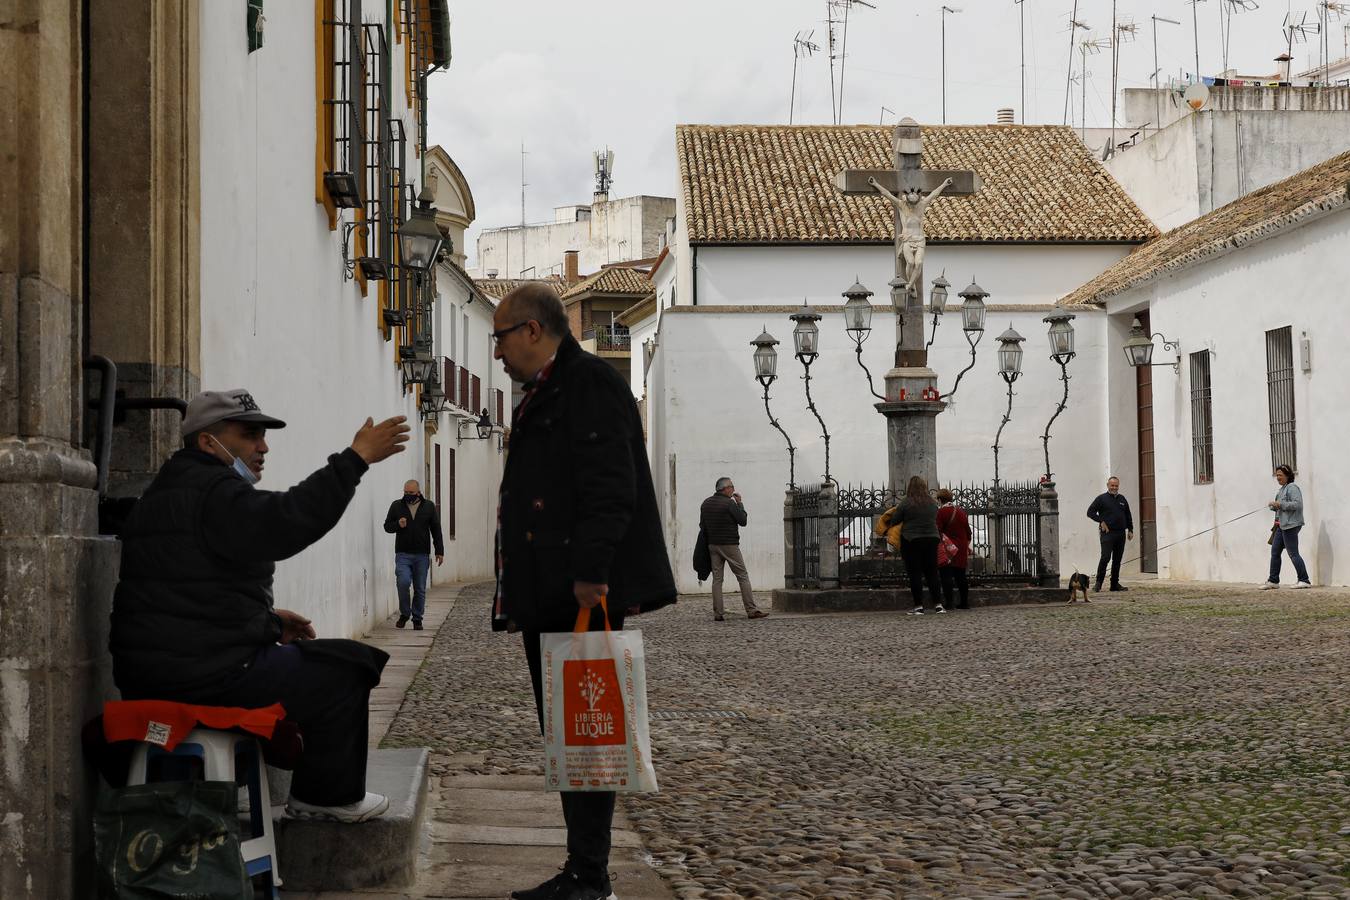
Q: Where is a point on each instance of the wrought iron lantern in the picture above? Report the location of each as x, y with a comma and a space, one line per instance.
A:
433, 402
937, 297
972, 309
1061, 336
1010, 355
418, 365
1139, 348
484, 426
419, 238
766, 358
806, 334
858, 311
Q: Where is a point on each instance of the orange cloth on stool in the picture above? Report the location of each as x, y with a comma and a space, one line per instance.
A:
165, 723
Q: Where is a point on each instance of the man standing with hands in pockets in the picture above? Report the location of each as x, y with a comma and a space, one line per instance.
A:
1111, 512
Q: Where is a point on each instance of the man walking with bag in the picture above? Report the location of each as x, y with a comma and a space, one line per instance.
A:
416, 524
721, 518
578, 522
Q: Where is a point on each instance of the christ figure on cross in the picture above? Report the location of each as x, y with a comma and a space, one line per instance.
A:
910, 208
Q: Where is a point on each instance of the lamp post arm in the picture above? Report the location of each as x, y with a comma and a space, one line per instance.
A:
792, 451
810, 404
952, 393
1064, 401
870, 386
1007, 417
932, 333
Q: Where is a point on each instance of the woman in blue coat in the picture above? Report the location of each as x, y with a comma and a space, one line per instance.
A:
1288, 506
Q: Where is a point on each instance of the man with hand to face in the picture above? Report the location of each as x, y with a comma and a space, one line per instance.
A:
193, 616
415, 524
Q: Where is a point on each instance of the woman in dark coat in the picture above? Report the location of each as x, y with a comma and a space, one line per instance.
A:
917, 517
952, 522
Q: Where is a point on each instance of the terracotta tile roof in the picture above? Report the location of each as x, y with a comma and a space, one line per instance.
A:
775, 184
1310, 193
611, 280
638, 312
497, 288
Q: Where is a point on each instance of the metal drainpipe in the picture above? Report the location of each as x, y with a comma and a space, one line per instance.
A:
693, 259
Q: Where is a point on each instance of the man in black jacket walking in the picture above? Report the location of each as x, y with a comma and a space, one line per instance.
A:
578, 524
193, 618
721, 517
1111, 512
416, 524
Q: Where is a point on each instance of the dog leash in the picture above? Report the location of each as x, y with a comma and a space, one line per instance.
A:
1199, 533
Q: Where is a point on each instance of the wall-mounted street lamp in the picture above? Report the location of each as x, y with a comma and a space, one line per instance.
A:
417, 364
858, 324
806, 337
972, 326
1139, 348
1009, 369
766, 372
483, 429
1061, 351
419, 239
937, 301
433, 402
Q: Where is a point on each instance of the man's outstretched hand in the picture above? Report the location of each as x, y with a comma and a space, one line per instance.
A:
376, 442
294, 627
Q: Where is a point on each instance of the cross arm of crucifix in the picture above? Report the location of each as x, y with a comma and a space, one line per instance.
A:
887, 194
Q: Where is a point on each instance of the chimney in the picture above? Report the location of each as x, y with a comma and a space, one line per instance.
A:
1006, 116
1284, 59
570, 261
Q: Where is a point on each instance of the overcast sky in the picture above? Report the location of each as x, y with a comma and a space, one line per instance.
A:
570, 77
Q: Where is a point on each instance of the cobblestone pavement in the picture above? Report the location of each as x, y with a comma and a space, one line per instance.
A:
1185, 741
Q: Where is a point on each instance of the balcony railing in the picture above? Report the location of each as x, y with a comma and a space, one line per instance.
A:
608, 339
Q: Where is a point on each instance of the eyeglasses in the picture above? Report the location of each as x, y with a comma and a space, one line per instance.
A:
498, 335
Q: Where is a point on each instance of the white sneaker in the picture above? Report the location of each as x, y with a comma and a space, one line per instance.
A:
939, 609
1302, 585
916, 611
369, 807
1268, 586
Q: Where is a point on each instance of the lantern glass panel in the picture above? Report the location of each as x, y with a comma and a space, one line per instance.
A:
972, 314
1139, 353
806, 335
1010, 358
938, 299
858, 315
1061, 339
766, 362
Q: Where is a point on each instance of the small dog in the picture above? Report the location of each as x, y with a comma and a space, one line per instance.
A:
1078, 584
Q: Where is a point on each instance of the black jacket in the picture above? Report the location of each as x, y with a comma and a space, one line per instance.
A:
1114, 510
194, 602
702, 557
577, 502
421, 530
721, 517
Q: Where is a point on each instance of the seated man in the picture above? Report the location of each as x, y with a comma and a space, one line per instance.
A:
193, 619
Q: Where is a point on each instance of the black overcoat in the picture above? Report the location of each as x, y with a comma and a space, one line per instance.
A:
577, 502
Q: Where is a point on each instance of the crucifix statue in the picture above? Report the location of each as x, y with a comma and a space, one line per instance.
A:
912, 401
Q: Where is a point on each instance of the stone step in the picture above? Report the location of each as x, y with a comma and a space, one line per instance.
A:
329, 856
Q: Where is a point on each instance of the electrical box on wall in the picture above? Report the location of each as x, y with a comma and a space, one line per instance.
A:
1305, 352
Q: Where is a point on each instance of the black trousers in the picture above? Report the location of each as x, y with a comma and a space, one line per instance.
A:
920, 556
953, 579
328, 698
588, 815
1113, 549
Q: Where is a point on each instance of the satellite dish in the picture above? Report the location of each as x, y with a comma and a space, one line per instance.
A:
1196, 96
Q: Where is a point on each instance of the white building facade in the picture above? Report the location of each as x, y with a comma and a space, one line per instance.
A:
1253, 295
1049, 218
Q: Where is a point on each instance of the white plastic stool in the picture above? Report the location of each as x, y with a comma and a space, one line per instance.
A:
224, 755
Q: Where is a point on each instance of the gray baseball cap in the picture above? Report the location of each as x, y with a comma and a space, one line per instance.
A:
235, 405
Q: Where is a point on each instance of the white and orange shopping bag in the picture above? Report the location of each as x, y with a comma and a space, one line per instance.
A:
596, 736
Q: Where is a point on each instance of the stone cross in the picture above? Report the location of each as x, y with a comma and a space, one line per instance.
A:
910, 189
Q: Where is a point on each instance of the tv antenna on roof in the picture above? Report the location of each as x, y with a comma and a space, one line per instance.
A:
1157, 94
1297, 28
801, 47
1326, 11
846, 6
943, 13
1074, 25
1226, 10
1195, 33
1121, 33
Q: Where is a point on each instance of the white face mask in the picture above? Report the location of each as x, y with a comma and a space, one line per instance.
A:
240, 467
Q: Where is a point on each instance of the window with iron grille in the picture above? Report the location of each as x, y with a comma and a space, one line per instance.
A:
1280, 396
345, 177
1202, 420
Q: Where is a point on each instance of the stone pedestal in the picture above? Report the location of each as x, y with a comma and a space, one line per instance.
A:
911, 426
1049, 537
827, 533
